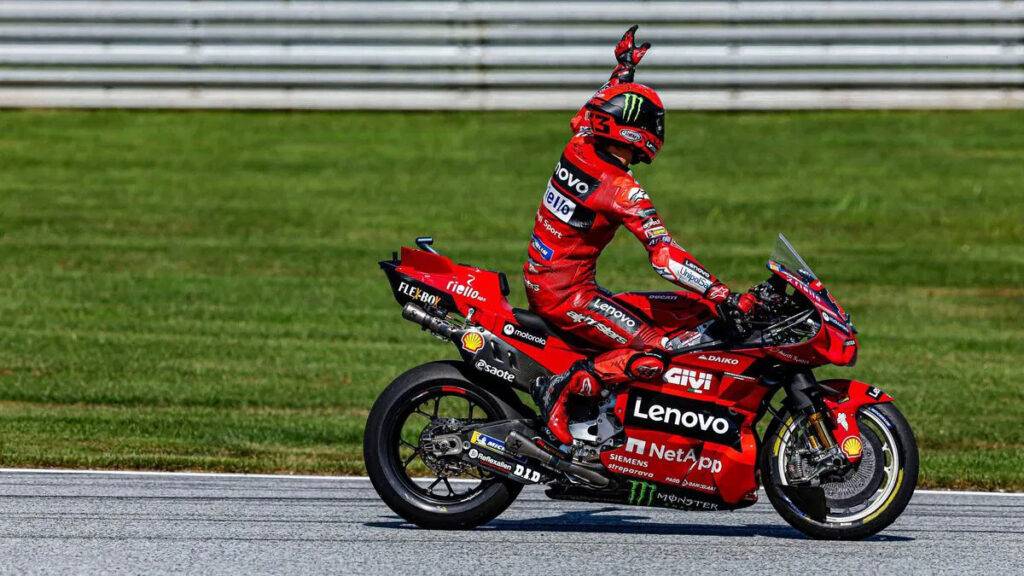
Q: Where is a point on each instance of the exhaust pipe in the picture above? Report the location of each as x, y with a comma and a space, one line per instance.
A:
436, 325
520, 445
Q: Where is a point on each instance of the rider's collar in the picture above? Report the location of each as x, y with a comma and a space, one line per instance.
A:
611, 159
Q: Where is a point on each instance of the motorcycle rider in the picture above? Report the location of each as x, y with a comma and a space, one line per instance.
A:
591, 193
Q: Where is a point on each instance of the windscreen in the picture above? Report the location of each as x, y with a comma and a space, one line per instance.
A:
786, 255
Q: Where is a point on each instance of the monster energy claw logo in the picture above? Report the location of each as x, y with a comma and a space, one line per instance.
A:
641, 493
631, 107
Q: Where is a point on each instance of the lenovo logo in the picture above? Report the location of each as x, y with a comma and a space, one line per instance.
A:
686, 417
571, 179
680, 418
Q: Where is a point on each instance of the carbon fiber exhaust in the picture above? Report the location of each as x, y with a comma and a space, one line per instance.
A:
520, 445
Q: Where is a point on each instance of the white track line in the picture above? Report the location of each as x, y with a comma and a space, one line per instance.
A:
193, 474
350, 478
968, 493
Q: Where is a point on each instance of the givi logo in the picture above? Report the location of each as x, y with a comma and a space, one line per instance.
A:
696, 381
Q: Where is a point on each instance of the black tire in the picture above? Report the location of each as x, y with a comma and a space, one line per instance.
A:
388, 476
904, 473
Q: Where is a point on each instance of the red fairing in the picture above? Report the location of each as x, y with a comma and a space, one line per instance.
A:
853, 395
477, 290
471, 287
835, 343
670, 309
693, 427
703, 394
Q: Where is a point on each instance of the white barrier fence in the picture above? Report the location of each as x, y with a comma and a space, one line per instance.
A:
499, 55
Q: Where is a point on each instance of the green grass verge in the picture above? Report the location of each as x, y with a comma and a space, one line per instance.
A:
200, 290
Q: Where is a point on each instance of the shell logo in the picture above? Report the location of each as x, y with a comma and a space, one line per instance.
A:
472, 342
852, 446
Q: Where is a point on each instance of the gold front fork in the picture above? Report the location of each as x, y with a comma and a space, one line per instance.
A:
822, 437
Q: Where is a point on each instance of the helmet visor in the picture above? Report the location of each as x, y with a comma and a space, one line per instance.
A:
632, 109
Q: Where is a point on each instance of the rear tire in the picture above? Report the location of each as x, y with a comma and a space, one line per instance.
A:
888, 439
389, 477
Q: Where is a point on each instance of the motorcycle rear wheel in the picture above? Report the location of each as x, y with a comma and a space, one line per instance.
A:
451, 501
870, 498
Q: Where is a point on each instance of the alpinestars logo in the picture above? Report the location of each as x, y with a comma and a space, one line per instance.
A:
602, 328
631, 107
636, 194
696, 381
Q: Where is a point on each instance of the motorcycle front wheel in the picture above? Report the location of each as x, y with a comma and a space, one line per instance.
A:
868, 498
427, 490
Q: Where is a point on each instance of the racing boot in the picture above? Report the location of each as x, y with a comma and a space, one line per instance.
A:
587, 378
552, 394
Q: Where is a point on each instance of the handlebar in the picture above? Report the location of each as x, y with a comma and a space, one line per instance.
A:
736, 323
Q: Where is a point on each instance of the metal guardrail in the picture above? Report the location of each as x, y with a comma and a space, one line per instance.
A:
523, 54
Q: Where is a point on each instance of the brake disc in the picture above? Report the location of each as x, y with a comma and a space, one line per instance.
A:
861, 481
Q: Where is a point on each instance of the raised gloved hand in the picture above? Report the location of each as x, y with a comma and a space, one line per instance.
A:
628, 55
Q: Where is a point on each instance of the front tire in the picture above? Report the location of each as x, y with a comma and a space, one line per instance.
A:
870, 497
437, 385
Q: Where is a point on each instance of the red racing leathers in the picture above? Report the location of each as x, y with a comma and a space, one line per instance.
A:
588, 197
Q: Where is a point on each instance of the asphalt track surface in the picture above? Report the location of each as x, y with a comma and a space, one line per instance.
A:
111, 523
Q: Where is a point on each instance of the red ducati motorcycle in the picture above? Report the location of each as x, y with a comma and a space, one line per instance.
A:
836, 459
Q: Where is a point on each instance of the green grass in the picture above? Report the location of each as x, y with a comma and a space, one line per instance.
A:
200, 290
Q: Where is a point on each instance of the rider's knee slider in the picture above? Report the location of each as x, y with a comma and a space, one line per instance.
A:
646, 366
